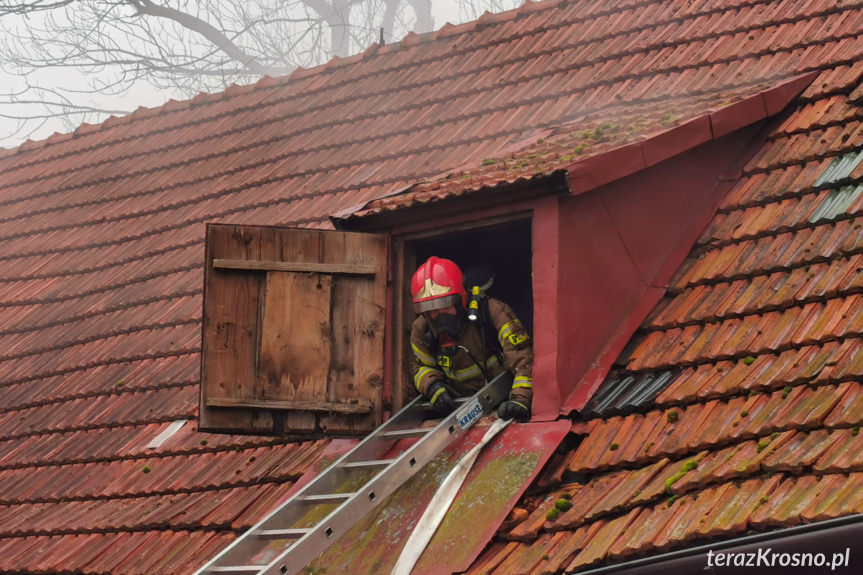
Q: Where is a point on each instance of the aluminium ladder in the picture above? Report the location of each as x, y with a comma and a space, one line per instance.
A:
302, 527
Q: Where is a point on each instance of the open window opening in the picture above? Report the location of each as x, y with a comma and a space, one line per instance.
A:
505, 247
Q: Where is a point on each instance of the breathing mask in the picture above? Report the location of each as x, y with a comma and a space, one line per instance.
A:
446, 323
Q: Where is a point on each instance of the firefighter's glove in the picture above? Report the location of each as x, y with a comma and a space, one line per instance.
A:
440, 398
511, 409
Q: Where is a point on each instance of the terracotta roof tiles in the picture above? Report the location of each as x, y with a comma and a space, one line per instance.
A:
754, 352
764, 317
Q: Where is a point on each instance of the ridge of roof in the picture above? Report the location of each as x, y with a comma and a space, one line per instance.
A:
446, 32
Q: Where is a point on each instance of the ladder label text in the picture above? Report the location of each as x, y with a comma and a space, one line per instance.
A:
469, 413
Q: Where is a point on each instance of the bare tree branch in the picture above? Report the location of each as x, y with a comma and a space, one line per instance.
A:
69, 61
207, 31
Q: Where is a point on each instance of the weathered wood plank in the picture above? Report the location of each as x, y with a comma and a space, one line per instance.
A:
300, 347
230, 321
296, 341
356, 373
229, 352
270, 265
317, 406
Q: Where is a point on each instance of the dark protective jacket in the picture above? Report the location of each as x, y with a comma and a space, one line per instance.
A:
455, 361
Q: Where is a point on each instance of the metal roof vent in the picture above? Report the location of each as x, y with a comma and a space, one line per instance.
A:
838, 201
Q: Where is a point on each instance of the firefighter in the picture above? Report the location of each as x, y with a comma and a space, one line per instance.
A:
453, 356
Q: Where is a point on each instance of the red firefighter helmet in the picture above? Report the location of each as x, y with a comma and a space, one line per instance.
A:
437, 284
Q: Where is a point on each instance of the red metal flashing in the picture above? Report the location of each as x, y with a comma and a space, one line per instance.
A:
777, 97
500, 476
673, 142
731, 118
606, 167
546, 272
497, 481
617, 163
596, 374
621, 244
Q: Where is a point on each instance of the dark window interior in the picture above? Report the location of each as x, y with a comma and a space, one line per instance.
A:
505, 248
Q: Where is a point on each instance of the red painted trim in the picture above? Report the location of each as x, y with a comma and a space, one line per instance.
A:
776, 98
525, 442
617, 163
673, 142
546, 286
466, 217
619, 246
731, 118
612, 165
611, 351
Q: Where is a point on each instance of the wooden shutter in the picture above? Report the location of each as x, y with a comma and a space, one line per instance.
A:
293, 330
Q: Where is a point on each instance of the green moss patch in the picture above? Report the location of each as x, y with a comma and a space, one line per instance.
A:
684, 469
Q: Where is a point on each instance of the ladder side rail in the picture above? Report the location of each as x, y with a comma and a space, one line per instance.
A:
372, 447
307, 548
368, 448
372, 492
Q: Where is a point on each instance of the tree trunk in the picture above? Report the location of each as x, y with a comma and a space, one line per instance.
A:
338, 21
424, 16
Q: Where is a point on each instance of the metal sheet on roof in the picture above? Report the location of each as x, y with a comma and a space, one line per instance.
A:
836, 203
840, 168
629, 391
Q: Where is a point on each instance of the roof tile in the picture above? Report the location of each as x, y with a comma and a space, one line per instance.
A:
848, 408
638, 536
610, 493
494, 555
525, 558
589, 453
598, 545
742, 501
562, 549
658, 427
829, 487
843, 364
842, 454
844, 500
764, 285
531, 526
691, 384
799, 452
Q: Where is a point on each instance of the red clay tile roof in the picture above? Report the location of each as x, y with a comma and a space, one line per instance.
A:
646, 131
101, 251
757, 347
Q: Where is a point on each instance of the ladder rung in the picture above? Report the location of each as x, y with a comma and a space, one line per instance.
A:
281, 533
370, 463
339, 511
407, 433
326, 497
